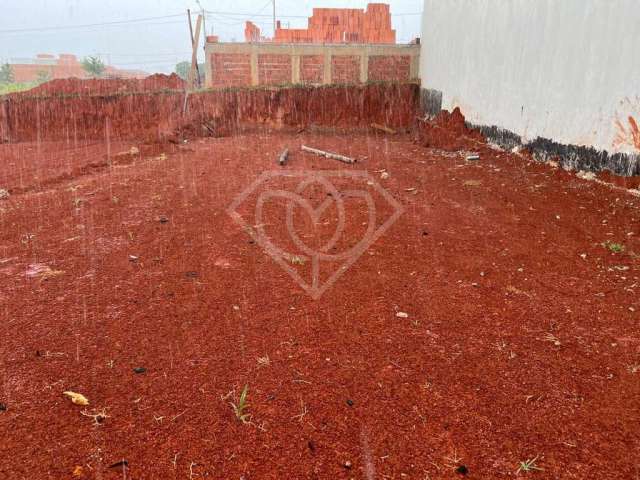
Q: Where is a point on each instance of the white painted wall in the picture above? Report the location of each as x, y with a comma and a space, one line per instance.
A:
568, 70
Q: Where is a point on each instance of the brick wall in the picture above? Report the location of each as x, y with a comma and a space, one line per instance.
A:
230, 69
345, 69
389, 68
274, 69
311, 68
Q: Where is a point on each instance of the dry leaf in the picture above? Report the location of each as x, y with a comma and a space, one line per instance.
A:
77, 398
78, 471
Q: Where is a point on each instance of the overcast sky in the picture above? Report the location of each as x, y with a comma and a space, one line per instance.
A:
161, 38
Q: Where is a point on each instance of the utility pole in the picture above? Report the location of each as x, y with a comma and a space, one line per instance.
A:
274, 19
194, 73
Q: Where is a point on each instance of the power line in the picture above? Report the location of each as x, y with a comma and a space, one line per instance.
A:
251, 15
88, 25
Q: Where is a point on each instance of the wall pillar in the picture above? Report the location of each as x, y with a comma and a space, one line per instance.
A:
364, 67
327, 77
255, 80
295, 69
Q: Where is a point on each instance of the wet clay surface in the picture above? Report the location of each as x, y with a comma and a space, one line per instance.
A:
521, 337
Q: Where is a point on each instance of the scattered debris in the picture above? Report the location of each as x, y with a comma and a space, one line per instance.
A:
322, 153
4, 194
284, 156
121, 463
78, 471
529, 466
133, 258
192, 274
297, 260
586, 175
382, 128
42, 271
402, 315
473, 183
473, 157
77, 398
98, 416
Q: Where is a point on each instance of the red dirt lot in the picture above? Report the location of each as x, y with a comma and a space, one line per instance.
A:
522, 339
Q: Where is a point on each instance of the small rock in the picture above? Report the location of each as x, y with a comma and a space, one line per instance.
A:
4, 194
163, 219
140, 370
347, 465
462, 470
350, 402
3, 407
474, 157
402, 315
133, 258
384, 175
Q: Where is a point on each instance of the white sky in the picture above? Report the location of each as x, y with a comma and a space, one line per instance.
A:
156, 44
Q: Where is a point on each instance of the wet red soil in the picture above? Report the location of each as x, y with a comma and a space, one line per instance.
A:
520, 340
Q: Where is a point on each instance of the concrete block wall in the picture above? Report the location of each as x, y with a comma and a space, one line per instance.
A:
245, 64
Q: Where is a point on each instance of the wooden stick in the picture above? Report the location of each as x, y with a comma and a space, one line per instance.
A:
284, 156
382, 128
322, 153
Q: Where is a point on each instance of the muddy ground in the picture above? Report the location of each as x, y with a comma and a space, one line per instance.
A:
491, 324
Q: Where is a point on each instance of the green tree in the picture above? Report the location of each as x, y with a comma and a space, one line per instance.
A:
183, 68
43, 77
93, 66
6, 74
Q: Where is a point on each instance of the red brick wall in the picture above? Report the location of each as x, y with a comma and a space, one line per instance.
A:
311, 68
342, 25
345, 69
274, 69
230, 69
385, 68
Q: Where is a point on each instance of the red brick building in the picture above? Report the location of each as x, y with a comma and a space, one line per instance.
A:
336, 25
65, 66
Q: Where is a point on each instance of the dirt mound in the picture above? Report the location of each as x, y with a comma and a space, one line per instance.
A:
448, 131
71, 86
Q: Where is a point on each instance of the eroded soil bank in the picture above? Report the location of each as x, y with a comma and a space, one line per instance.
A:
168, 115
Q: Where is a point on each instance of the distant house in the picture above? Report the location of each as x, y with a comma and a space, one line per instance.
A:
48, 67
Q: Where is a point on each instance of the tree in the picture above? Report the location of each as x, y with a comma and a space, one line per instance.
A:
183, 69
6, 74
42, 77
93, 66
